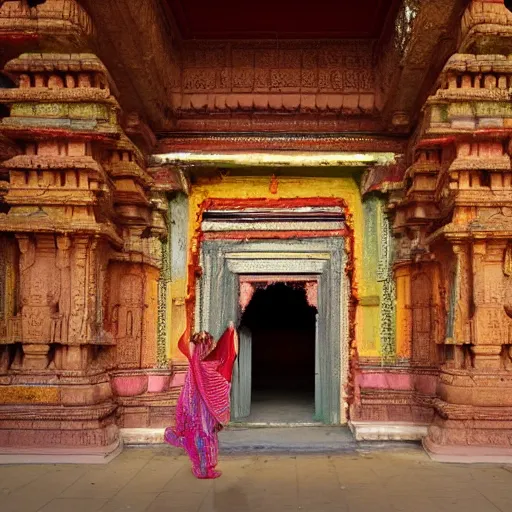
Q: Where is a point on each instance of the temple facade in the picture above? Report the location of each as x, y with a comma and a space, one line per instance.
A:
335, 179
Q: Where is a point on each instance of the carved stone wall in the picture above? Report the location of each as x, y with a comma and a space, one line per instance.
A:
398, 384
241, 79
84, 232
85, 267
456, 215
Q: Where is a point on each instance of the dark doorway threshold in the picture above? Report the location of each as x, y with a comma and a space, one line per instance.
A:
282, 324
286, 408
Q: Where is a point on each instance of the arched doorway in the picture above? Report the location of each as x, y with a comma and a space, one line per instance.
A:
282, 327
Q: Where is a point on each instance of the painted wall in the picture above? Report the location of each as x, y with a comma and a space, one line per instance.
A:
177, 286
366, 238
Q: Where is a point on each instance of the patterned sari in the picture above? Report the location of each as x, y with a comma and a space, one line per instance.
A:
204, 404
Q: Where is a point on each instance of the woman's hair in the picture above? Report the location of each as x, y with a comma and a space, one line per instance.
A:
202, 337
204, 344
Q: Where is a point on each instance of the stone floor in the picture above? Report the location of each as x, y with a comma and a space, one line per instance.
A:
159, 479
281, 408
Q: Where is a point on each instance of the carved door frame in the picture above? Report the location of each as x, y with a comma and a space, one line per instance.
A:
223, 261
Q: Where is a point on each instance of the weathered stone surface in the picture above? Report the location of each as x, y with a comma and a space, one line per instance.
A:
455, 212
93, 297
78, 199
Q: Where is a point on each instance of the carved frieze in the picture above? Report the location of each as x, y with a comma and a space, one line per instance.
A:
296, 77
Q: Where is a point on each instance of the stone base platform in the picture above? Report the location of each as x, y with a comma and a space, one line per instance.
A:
142, 436
387, 431
147, 411
250, 439
471, 433
467, 454
59, 433
247, 439
55, 455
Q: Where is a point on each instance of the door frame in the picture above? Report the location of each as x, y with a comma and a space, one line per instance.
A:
223, 261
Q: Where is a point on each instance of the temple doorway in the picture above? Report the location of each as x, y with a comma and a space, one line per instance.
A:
278, 327
232, 274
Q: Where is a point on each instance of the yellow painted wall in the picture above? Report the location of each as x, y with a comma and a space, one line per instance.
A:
290, 187
370, 289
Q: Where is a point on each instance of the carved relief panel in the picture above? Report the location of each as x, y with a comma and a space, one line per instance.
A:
39, 286
126, 313
331, 76
490, 285
60, 289
460, 297
422, 314
128, 320
9, 291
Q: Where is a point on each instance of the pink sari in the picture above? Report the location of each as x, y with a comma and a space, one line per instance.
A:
204, 404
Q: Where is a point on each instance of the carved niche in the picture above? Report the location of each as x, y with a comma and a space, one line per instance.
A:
39, 287
126, 313
422, 312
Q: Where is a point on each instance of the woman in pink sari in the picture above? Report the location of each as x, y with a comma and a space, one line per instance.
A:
204, 404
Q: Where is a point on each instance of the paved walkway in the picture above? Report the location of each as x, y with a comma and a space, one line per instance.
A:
159, 479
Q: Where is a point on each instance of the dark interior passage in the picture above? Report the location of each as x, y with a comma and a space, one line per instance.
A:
282, 324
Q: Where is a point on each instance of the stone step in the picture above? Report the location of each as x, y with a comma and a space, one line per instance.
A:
315, 439
285, 439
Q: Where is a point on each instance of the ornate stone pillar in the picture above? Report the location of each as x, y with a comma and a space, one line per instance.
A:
135, 307
465, 233
62, 115
393, 392
56, 392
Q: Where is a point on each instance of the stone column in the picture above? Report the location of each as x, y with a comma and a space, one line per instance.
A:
91, 230
466, 235
397, 388
56, 394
